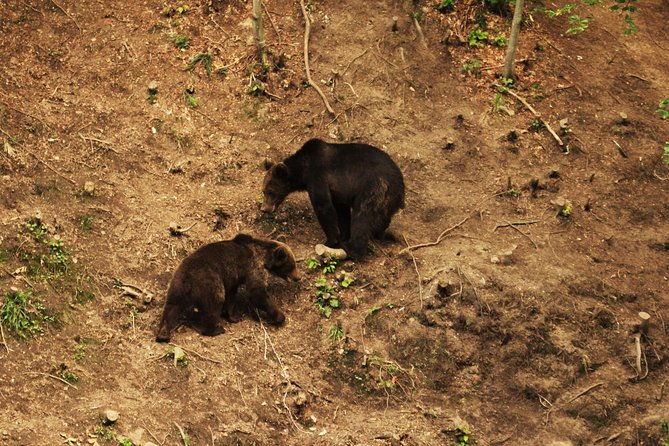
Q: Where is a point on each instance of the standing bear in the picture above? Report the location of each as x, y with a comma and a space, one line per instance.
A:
355, 189
204, 287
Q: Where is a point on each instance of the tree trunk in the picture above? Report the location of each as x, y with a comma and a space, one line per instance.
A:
258, 33
513, 39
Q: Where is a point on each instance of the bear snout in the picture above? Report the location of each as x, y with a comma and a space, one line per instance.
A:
267, 207
294, 276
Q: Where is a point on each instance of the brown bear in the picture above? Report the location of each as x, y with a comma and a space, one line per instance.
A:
355, 189
205, 285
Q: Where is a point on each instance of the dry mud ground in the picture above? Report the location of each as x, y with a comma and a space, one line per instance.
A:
519, 326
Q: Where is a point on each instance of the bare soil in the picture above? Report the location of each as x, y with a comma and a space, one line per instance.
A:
519, 326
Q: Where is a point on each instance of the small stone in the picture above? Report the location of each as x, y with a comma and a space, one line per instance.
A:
623, 118
564, 123
153, 87
89, 188
494, 259
109, 416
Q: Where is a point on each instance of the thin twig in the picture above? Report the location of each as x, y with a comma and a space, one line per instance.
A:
534, 112
4, 342
196, 353
415, 265
307, 30
522, 233
57, 378
659, 397
516, 223
580, 394
184, 437
353, 60
27, 114
67, 14
620, 149
439, 239
420, 32
278, 36
48, 166
152, 436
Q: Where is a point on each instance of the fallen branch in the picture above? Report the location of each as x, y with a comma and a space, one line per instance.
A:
512, 225
184, 437
57, 378
516, 223
420, 32
275, 30
48, 166
580, 394
620, 149
415, 265
307, 30
534, 112
439, 239
353, 60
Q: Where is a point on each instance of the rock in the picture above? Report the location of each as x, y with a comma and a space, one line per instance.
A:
109, 416
89, 188
153, 87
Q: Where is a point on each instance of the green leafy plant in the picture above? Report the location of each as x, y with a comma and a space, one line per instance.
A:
346, 281
566, 9
471, 67
463, 436
178, 355
499, 41
79, 351
170, 11
205, 58
372, 311
579, 24
223, 71
536, 124
311, 262
445, 5
179, 41
477, 38
626, 7
663, 108
665, 154
23, 313
86, 222
125, 442
61, 370
567, 210
326, 299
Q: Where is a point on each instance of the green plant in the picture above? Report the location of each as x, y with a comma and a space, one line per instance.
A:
223, 71
665, 154
23, 313
566, 9
311, 262
567, 210
579, 24
178, 355
63, 373
170, 11
471, 67
257, 88
477, 38
326, 300
179, 41
346, 281
125, 442
335, 334
372, 311
445, 5
536, 124
463, 436
105, 432
499, 41
189, 94
627, 7
330, 265
205, 58
79, 351
663, 108
86, 222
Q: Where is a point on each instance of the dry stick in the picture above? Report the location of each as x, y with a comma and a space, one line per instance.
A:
534, 112
67, 14
415, 265
4, 342
659, 397
637, 344
184, 437
420, 32
307, 30
196, 353
580, 394
353, 60
620, 149
271, 21
517, 223
152, 436
57, 378
439, 239
284, 373
49, 166
522, 233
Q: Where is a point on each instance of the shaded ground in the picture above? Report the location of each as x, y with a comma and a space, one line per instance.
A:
518, 326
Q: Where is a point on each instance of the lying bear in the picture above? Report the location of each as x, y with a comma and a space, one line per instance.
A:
355, 189
204, 287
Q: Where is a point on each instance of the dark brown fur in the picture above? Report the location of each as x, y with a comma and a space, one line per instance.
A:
205, 286
355, 189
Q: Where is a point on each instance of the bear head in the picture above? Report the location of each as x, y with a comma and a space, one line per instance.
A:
280, 262
276, 186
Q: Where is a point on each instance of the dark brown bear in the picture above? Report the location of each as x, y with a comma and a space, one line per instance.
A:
205, 285
355, 189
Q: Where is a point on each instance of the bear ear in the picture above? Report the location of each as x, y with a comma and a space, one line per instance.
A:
279, 254
281, 170
267, 164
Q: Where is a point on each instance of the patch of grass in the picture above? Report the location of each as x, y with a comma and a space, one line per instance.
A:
86, 222
79, 351
205, 59
665, 157
336, 333
61, 370
445, 6
23, 313
180, 41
